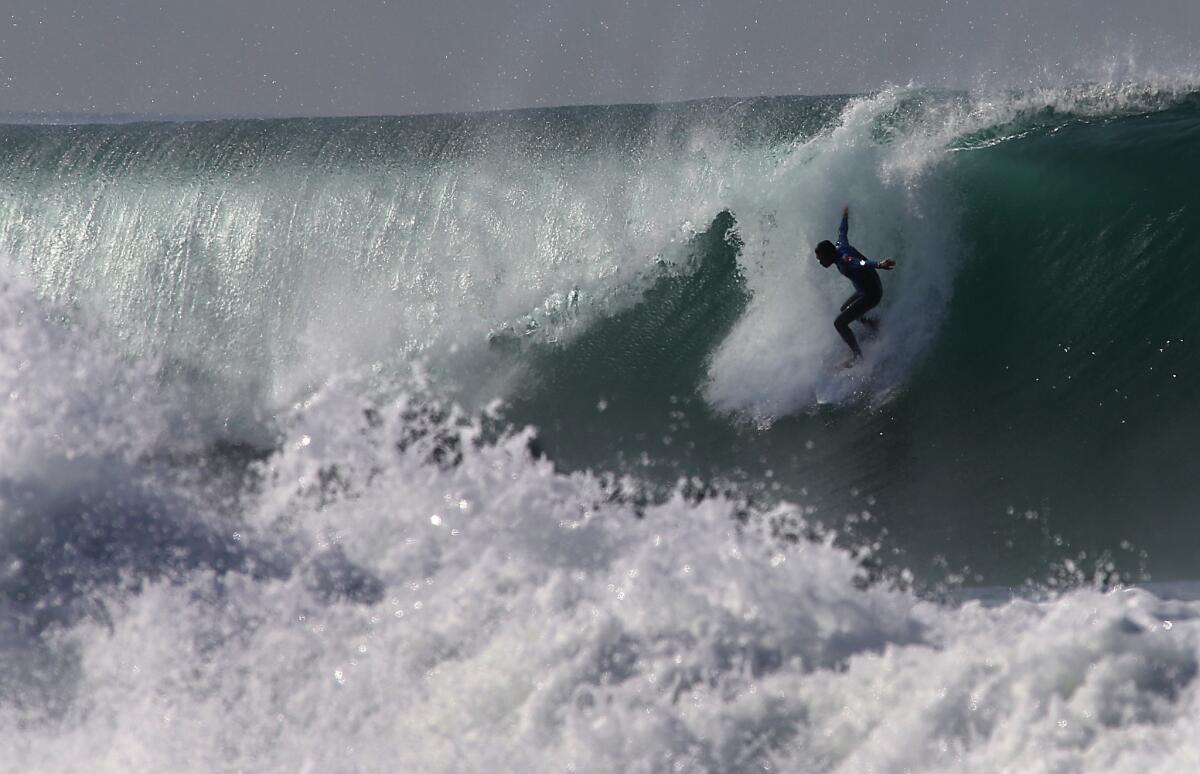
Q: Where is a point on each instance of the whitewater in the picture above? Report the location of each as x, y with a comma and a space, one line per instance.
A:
512, 440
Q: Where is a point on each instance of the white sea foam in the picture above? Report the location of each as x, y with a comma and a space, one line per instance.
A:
429, 601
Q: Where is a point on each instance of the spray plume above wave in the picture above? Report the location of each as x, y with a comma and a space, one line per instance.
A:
236, 528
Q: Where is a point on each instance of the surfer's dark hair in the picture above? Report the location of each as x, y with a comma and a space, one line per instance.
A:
825, 247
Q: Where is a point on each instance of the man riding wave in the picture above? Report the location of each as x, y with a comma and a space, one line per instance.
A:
860, 270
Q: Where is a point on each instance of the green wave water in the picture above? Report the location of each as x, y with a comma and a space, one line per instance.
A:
1051, 418
635, 282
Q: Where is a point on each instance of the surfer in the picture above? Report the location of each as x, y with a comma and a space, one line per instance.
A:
860, 270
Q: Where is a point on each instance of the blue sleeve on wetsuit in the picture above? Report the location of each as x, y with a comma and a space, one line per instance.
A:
847, 251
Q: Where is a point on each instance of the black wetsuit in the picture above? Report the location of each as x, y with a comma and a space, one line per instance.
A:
868, 290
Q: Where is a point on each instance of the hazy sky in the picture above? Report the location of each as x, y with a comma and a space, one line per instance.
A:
328, 57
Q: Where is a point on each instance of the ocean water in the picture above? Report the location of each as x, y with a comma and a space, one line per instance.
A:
516, 441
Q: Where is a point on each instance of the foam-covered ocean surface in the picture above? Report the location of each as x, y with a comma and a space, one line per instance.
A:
515, 441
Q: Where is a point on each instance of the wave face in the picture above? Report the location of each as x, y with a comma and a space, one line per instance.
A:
260, 510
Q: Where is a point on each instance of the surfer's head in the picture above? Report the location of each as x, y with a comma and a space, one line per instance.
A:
826, 253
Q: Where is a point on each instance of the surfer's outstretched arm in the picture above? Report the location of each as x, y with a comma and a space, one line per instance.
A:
858, 258
845, 249
849, 253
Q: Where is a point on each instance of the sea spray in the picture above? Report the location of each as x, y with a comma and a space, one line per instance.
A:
385, 575
521, 621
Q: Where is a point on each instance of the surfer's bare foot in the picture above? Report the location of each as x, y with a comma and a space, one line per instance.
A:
871, 322
852, 361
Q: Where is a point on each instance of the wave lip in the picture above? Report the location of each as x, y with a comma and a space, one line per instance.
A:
376, 240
